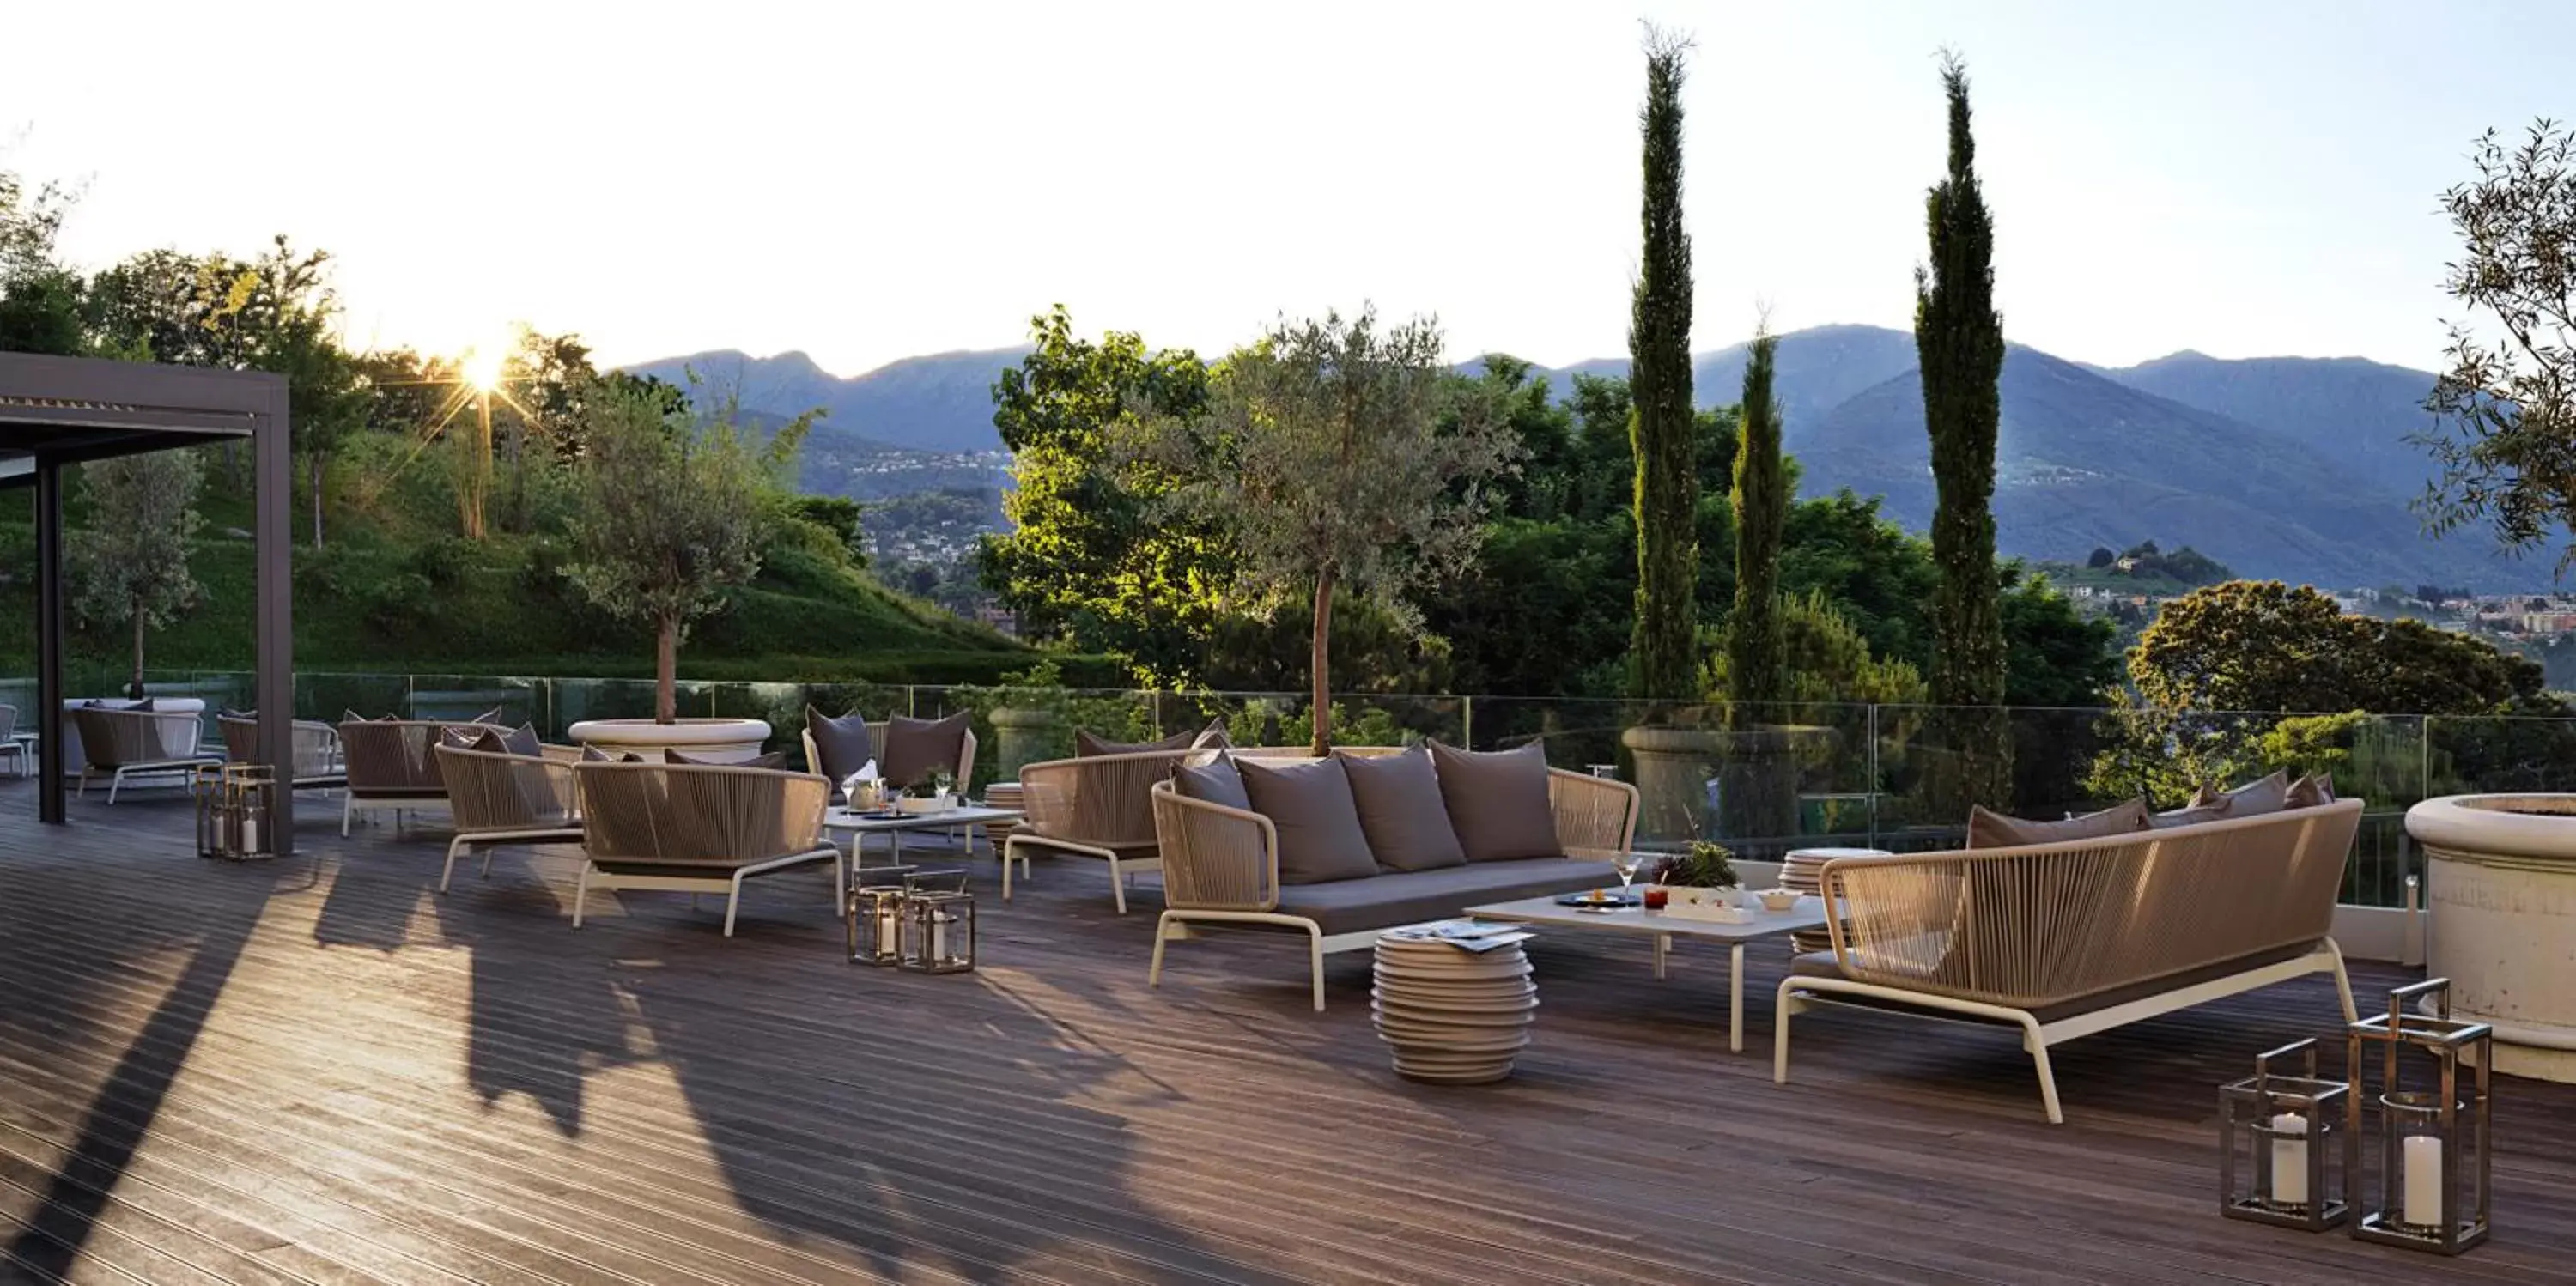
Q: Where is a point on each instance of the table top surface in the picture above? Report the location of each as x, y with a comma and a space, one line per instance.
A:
842, 819
1808, 914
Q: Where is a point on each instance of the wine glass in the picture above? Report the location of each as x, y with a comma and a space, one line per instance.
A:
1626, 864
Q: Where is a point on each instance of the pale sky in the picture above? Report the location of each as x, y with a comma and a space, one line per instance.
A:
867, 182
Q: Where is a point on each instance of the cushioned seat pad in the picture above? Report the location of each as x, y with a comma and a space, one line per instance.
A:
1820, 964
1411, 897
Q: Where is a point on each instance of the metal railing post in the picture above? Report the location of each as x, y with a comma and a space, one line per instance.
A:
1467, 727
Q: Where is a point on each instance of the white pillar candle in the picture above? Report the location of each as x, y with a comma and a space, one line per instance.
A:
887, 927
2423, 1204
2290, 1161
938, 936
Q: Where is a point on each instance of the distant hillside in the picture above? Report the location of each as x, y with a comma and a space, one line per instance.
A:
942, 402
2354, 412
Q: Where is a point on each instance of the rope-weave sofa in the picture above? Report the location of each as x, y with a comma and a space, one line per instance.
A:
2070, 938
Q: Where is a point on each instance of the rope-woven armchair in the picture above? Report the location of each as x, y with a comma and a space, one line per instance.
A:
392, 766
1221, 864
2063, 940
1095, 806
316, 747
698, 828
10, 746
501, 799
139, 744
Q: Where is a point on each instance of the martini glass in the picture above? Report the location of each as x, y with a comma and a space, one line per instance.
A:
1626, 864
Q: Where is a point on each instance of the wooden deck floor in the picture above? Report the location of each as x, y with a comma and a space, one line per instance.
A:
319, 1070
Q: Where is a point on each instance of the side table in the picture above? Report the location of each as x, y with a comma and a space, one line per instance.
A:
1452, 1015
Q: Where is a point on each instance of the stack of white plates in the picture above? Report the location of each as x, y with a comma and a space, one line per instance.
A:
1802, 870
1001, 794
1451, 1015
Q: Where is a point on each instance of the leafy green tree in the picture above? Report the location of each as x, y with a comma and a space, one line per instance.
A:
41, 301
129, 560
1959, 343
1085, 561
2055, 658
1756, 668
2265, 646
1338, 457
1665, 648
2506, 409
672, 515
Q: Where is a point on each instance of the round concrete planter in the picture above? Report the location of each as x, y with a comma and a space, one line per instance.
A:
1021, 737
2500, 881
724, 741
1755, 771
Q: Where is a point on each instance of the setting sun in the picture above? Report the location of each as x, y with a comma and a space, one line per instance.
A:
481, 368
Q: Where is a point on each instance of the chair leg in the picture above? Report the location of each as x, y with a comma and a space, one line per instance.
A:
1009, 846
450, 872
2047, 1077
580, 893
348, 809
1117, 884
1780, 1011
488, 850
2343, 984
1162, 932
113, 783
1315, 963
733, 902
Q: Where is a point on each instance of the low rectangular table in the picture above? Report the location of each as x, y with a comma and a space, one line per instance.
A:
1663, 928
858, 826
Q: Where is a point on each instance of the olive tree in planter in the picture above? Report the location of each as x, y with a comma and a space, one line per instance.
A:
672, 510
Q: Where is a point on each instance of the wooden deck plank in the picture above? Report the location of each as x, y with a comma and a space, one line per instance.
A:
320, 1070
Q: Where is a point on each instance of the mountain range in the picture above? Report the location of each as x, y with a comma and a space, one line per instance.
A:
2288, 467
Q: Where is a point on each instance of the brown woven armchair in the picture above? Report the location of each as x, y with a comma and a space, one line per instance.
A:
153, 745
317, 750
501, 799
392, 766
698, 828
1097, 806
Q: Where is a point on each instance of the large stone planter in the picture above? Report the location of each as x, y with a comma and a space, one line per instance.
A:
2500, 882
1754, 772
1021, 737
723, 741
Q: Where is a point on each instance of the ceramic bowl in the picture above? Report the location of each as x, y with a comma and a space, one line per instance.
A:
1779, 899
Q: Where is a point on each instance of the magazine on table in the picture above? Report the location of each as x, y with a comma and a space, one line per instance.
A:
1467, 935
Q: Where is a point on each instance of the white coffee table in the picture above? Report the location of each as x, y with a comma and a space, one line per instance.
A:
858, 826
1663, 928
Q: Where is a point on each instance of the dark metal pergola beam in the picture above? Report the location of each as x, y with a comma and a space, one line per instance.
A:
61, 410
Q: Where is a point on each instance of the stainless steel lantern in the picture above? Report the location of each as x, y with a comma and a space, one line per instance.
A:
2419, 1177
873, 914
232, 812
939, 932
2275, 1129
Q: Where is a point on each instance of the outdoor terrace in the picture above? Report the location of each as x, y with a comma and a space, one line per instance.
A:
319, 1070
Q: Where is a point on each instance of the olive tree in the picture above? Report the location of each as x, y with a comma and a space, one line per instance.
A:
129, 560
672, 510
1339, 456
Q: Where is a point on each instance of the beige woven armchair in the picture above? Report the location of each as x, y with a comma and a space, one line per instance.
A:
506, 799
1221, 866
10, 746
2067, 939
392, 766
153, 745
318, 764
1097, 806
698, 828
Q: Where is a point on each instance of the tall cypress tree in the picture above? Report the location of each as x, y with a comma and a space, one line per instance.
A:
1663, 661
1755, 664
1959, 342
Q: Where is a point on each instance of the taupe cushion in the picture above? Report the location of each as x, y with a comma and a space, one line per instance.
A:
1821, 964
842, 745
464, 736
2310, 791
1086, 745
774, 761
1401, 812
1497, 802
521, 740
1411, 897
2253, 799
1216, 782
2188, 815
916, 748
1987, 829
1310, 804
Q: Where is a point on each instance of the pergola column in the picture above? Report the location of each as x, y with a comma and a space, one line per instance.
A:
273, 626
49, 641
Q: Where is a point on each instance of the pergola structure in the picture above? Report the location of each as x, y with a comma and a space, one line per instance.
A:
56, 411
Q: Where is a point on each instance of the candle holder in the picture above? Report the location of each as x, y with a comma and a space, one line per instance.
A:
874, 916
2429, 1152
2280, 1128
232, 811
938, 932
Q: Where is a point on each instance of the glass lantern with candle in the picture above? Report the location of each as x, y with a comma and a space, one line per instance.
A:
874, 915
939, 932
2421, 1177
2275, 1129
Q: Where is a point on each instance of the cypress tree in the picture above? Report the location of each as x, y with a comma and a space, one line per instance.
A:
1959, 342
1663, 660
1755, 663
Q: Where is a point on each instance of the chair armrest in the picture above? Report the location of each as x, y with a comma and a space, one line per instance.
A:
1895, 920
1215, 858
1595, 816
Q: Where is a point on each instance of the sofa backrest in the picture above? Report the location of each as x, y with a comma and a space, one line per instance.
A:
2043, 924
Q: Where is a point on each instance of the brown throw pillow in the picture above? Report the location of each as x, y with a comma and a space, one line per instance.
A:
916, 748
2310, 791
1086, 745
1988, 829
2253, 799
841, 746
2187, 815
1497, 802
774, 761
462, 736
1216, 782
521, 740
1310, 805
1401, 812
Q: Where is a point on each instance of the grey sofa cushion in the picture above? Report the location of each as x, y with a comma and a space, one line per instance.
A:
1497, 802
1411, 897
1310, 805
774, 761
841, 745
1990, 829
2312, 791
1401, 811
1216, 782
2253, 799
916, 748
1086, 745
